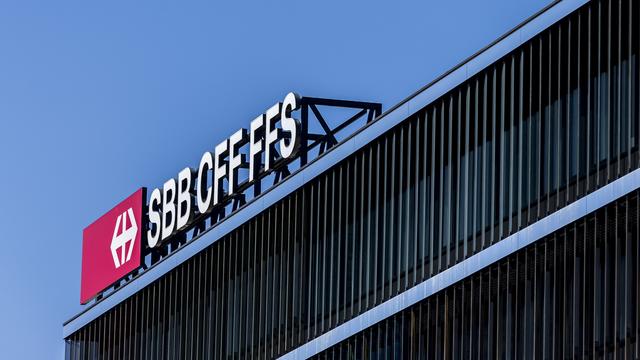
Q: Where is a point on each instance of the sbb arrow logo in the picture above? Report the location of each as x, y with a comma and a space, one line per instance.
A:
126, 236
112, 246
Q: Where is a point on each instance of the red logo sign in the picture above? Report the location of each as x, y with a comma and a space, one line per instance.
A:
112, 246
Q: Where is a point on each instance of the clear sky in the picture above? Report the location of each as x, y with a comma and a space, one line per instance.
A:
98, 98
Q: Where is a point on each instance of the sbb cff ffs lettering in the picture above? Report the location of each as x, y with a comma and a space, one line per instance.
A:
272, 137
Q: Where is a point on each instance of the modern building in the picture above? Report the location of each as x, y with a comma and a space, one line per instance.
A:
492, 214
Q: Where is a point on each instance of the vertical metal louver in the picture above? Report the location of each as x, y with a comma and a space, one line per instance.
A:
573, 294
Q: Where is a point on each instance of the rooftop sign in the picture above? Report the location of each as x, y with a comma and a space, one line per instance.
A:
115, 245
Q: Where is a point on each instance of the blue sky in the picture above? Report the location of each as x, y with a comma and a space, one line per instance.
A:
100, 98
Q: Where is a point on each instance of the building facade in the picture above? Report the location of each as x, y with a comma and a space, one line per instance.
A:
493, 214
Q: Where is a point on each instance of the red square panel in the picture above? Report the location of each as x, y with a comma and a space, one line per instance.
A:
112, 246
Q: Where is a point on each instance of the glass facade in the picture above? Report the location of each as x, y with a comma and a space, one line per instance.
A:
552, 121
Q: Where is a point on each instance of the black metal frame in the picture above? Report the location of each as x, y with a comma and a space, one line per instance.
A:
328, 139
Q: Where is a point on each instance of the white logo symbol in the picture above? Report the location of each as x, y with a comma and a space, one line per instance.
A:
128, 235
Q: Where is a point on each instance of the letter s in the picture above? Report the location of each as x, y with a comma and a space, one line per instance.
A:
153, 234
289, 125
